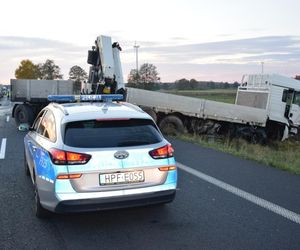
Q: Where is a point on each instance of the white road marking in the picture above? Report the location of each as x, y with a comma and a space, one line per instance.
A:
7, 118
292, 216
3, 148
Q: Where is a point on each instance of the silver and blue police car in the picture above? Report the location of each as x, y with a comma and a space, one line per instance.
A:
91, 156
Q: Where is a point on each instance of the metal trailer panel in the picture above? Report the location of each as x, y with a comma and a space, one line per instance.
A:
235, 113
196, 107
252, 99
38, 90
166, 102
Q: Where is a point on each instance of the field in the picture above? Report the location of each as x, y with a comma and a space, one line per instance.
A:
219, 95
283, 155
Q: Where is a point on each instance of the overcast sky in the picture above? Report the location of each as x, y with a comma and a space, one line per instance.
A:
202, 39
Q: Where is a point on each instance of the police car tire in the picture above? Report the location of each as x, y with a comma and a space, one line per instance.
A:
27, 172
174, 121
40, 212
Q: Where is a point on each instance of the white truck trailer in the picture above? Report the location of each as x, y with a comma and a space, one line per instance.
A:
30, 96
267, 106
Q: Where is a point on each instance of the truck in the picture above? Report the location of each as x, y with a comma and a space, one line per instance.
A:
266, 106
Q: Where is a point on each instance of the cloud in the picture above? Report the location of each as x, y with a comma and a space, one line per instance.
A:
20, 43
219, 61
260, 47
15, 49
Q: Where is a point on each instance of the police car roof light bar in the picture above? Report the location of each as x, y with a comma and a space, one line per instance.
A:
85, 98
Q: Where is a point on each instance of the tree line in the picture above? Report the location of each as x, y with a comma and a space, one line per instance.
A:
48, 71
146, 77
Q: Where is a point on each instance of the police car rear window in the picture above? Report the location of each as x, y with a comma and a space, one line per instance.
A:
111, 133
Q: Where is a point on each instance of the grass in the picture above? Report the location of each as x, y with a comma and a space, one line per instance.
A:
281, 155
219, 95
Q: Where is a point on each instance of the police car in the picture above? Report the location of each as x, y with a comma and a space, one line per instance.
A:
87, 156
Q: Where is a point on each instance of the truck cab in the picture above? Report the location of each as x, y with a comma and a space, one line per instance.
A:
279, 95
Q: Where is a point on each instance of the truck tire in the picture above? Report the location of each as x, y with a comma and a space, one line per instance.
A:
151, 112
23, 114
259, 137
171, 125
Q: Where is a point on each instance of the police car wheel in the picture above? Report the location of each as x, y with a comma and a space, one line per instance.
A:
40, 212
26, 166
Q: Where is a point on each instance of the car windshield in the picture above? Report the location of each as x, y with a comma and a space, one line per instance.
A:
111, 133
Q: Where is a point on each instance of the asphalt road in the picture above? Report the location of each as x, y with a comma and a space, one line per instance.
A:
203, 215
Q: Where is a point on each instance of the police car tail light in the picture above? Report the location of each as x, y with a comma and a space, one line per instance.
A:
77, 158
68, 176
60, 157
162, 153
169, 168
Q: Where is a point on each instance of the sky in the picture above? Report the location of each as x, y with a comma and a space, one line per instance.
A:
206, 40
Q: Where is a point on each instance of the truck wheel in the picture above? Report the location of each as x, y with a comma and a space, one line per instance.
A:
151, 112
24, 114
259, 137
171, 125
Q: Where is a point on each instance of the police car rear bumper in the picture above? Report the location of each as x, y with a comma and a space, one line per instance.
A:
85, 205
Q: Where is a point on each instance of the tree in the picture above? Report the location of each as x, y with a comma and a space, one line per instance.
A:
27, 70
133, 79
193, 84
77, 74
146, 78
49, 71
182, 84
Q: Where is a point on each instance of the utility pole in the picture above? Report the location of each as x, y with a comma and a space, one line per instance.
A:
262, 72
136, 47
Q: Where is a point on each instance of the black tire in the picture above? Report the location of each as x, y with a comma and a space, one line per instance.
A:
171, 125
40, 212
24, 114
259, 137
27, 172
151, 112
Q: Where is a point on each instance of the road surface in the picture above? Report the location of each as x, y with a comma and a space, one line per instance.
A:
222, 202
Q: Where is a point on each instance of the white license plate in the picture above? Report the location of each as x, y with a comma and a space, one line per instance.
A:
122, 178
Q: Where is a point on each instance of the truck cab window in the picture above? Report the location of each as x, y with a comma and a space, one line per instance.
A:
284, 95
296, 99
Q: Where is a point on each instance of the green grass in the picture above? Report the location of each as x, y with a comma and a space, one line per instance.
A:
219, 95
283, 155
